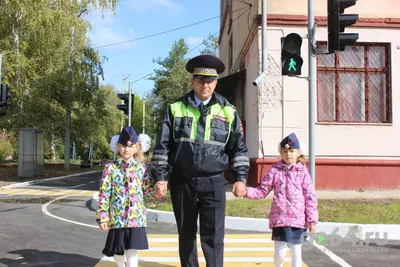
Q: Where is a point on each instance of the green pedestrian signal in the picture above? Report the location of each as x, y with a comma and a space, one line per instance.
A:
291, 54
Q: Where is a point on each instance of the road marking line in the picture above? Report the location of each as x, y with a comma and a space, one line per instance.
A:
45, 211
255, 260
11, 192
331, 255
75, 186
43, 192
244, 249
227, 240
202, 259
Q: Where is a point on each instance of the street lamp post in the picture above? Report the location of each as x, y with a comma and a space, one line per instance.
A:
69, 100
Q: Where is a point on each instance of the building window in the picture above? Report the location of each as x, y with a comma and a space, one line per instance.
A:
354, 85
230, 4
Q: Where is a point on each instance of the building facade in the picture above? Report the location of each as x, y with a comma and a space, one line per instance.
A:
358, 90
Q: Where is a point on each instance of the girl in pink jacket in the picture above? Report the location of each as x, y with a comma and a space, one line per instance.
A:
294, 204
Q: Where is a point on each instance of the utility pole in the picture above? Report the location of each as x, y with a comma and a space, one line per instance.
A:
69, 104
311, 90
144, 111
130, 104
67, 154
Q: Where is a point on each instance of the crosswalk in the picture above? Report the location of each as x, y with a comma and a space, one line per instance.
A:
43, 191
241, 250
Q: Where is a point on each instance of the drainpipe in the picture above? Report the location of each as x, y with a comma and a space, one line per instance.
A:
263, 73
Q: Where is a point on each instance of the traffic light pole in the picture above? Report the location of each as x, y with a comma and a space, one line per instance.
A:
312, 73
260, 78
130, 105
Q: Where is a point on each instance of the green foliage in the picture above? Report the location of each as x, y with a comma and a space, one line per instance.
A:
39, 43
6, 149
171, 81
211, 45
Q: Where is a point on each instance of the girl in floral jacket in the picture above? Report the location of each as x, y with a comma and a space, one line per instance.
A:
121, 209
294, 204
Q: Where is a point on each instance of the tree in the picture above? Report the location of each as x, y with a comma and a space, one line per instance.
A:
36, 42
95, 123
172, 80
211, 45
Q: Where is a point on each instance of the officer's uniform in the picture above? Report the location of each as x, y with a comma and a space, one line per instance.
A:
199, 143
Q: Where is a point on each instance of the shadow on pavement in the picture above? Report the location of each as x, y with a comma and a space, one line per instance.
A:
36, 258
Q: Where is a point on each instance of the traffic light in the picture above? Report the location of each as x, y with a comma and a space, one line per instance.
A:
291, 54
5, 95
5, 98
125, 107
337, 22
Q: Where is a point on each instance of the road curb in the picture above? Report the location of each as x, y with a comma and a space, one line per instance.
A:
47, 179
362, 231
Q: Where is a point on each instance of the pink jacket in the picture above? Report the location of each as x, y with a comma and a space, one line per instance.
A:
294, 203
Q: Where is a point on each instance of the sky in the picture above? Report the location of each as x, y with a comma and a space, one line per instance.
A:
139, 18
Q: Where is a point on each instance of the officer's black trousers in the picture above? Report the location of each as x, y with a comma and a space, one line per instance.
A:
204, 197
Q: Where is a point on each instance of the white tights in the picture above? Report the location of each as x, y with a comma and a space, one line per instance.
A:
280, 253
131, 258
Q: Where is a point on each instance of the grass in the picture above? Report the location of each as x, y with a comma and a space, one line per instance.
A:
346, 211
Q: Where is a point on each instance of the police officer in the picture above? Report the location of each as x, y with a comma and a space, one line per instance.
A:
201, 135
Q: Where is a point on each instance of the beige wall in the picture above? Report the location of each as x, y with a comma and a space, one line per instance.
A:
365, 8
332, 140
280, 106
251, 101
239, 31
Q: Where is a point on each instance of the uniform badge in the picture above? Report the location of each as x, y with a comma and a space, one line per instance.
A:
129, 143
287, 146
219, 118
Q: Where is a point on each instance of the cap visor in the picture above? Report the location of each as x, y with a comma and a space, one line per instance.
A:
205, 78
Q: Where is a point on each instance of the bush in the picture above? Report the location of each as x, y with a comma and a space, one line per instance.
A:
6, 149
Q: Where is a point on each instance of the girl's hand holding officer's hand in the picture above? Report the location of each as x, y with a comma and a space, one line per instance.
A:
103, 226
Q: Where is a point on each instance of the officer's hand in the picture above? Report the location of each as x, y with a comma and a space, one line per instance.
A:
160, 189
103, 226
239, 189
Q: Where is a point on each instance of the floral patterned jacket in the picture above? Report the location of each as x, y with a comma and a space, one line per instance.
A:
294, 203
123, 187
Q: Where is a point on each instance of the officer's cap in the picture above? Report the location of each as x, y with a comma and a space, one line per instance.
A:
205, 67
128, 136
290, 142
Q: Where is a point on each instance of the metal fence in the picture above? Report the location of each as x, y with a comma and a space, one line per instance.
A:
354, 85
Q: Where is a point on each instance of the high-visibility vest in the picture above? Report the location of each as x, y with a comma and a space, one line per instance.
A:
188, 116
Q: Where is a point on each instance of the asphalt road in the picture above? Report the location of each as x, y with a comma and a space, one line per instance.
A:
37, 232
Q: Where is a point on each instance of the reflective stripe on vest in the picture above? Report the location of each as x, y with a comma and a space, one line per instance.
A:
217, 112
